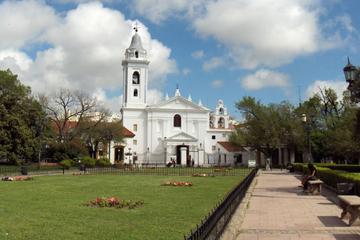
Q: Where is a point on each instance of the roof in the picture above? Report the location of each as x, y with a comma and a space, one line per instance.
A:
72, 124
230, 147
127, 133
136, 42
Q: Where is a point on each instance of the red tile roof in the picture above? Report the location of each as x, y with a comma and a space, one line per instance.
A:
127, 133
230, 147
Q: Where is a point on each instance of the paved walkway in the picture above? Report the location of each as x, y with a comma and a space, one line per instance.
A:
276, 208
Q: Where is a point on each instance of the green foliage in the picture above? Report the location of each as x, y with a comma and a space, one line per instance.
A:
22, 120
103, 162
88, 161
331, 176
266, 127
330, 125
68, 150
67, 163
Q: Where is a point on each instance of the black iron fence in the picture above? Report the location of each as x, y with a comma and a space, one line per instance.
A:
173, 171
162, 171
212, 226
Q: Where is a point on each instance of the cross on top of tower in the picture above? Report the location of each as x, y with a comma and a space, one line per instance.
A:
136, 28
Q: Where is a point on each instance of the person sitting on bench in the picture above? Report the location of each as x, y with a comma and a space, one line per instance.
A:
311, 176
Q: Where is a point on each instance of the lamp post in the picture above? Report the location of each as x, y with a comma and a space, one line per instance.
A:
219, 160
129, 154
308, 131
109, 138
352, 76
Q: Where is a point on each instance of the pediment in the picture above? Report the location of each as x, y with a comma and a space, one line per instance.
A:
178, 103
182, 137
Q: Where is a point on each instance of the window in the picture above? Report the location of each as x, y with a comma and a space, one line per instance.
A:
213, 148
134, 142
136, 77
221, 111
213, 137
136, 93
135, 127
177, 120
221, 123
136, 54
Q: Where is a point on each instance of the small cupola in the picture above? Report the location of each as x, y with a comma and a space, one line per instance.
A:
136, 50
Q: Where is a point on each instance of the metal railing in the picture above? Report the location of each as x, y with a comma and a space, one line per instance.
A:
212, 226
162, 171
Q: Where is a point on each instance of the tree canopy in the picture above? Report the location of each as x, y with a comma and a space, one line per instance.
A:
21, 120
330, 122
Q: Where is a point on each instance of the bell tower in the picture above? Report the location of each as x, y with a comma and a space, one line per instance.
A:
135, 74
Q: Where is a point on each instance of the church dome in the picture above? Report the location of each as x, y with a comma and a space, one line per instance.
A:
136, 42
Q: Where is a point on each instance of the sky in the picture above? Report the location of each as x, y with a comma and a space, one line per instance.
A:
273, 50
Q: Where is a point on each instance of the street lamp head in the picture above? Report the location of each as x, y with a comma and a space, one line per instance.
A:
350, 72
303, 118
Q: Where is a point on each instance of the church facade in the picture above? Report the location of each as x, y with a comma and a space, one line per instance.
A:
177, 129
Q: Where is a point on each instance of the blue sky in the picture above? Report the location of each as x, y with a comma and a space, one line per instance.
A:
273, 50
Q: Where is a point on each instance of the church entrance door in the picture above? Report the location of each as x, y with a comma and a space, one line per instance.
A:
119, 154
178, 153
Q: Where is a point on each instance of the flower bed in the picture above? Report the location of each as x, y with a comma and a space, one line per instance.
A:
203, 175
178, 184
114, 202
17, 178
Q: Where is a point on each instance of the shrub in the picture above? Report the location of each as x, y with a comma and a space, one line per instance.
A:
88, 162
333, 177
103, 162
67, 163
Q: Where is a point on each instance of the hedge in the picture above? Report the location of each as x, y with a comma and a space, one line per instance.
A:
332, 177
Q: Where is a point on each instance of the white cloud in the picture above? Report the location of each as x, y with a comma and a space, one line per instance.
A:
154, 96
198, 54
213, 63
23, 22
158, 11
10, 58
337, 85
265, 78
217, 83
257, 33
87, 45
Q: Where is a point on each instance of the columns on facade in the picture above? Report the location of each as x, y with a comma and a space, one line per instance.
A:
183, 154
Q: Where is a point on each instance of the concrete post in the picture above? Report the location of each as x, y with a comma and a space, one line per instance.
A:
183, 154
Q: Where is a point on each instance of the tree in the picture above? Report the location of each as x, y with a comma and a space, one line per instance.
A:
21, 120
266, 128
68, 110
332, 121
103, 132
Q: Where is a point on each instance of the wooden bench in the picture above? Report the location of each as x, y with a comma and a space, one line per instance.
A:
350, 204
315, 186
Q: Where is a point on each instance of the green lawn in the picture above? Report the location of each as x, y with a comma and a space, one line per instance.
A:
52, 207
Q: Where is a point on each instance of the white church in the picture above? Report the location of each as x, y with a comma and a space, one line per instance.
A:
176, 129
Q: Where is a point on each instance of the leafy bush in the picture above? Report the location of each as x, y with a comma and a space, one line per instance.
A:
333, 177
67, 163
62, 151
88, 162
103, 162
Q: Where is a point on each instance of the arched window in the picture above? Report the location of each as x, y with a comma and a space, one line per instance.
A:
221, 111
136, 78
221, 123
136, 93
136, 54
177, 120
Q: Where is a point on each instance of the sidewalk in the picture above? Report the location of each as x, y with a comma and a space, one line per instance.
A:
276, 208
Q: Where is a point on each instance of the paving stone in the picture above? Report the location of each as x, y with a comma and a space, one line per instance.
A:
275, 208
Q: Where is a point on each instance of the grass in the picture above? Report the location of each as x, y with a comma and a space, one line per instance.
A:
52, 207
